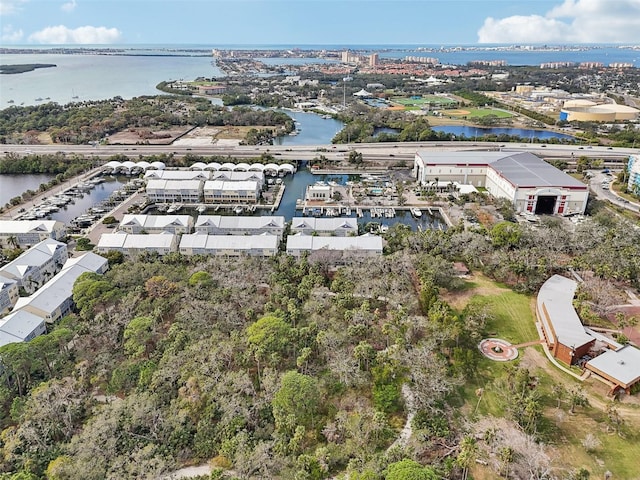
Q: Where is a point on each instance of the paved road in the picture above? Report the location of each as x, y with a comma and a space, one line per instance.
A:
595, 185
371, 151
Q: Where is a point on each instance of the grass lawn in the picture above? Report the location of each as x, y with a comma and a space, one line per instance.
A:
479, 113
511, 314
512, 318
424, 100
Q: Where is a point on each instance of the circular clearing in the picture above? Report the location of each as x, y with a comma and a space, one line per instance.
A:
498, 350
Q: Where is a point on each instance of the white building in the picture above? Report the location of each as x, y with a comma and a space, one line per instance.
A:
134, 244
319, 192
221, 191
26, 233
55, 299
333, 226
22, 326
35, 266
177, 174
176, 224
229, 245
240, 225
171, 191
9, 294
364, 245
239, 176
530, 183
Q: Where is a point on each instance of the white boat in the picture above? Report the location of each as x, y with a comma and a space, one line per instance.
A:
201, 209
238, 210
416, 212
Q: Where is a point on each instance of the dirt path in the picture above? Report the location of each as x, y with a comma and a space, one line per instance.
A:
407, 430
188, 472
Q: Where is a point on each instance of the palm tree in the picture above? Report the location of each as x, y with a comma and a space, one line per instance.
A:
13, 241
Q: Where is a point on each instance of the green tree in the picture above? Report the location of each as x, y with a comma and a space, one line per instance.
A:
505, 235
268, 339
296, 402
409, 470
138, 337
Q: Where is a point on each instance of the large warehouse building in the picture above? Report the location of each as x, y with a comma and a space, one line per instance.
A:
530, 183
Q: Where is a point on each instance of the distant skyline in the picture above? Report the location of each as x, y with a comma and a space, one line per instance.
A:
318, 22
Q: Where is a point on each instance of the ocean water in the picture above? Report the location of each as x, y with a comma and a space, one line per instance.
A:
134, 70
96, 77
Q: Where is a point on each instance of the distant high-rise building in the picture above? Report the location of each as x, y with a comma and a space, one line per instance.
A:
345, 56
373, 59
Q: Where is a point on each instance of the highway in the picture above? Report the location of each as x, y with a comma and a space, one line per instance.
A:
370, 151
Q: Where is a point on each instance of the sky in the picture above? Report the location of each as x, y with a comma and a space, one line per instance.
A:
318, 22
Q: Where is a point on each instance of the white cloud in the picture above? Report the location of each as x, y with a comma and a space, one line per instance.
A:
69, 6
572, 21
61, 35
9, 7
10, 35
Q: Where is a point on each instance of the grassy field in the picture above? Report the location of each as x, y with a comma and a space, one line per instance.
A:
478, 113
423, 100
511, 313
512, 319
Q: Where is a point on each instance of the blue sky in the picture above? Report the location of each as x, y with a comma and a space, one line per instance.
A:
318, 22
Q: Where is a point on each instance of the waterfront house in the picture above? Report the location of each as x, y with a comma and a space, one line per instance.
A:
221, 191
239, 176
177, 175
240, 225
176, 224
229, 245
335, 226
172, 191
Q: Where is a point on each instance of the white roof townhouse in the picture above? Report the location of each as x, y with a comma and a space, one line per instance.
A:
364, 245
177, 174
239, 176
9, 294
224, 191
229, 245
333, 226
22, 326
172, 191
35, 266
134, 244
240, 225
26, 233
55, 298
177, 224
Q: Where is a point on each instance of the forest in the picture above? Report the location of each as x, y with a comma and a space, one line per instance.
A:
83, 122
304, 369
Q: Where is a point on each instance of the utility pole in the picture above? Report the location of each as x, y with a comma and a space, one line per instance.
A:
344, 91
